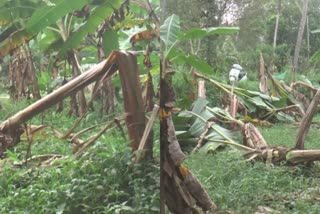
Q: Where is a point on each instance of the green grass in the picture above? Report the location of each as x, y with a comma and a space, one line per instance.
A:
103, 180
99, 182
242, 187
285, 134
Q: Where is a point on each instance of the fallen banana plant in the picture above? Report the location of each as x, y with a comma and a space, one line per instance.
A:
199, 127
260, 105
78, 144
123, 61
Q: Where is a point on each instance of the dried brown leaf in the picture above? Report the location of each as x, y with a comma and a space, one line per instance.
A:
253, 138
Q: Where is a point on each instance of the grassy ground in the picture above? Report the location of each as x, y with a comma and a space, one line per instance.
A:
243, 187
103, 180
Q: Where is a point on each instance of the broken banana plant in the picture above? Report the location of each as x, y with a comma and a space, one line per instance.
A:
126, 62
180, 190
260, 105
199, 127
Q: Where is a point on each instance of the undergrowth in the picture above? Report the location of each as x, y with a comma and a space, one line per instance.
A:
242, 187
103, 180
99, 182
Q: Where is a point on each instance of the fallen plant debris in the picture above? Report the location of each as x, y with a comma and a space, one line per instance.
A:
12, 128
257, 105
206, 125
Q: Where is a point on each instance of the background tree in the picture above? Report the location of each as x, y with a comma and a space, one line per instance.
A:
299, 37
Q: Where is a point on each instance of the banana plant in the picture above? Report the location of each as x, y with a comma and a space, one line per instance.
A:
29, 18
171, 35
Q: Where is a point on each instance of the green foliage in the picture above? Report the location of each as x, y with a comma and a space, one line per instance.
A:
97, 16
239, 186
110, 41
44, 81
49, 40
16, 11
8, 109
170, 35
169, 31
191, 127
49, 14
180, 57
197, 33
184, 86
98, 182
315, 56
103, 180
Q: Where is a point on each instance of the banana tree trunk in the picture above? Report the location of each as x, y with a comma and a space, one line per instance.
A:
82, 109
306, 121
132, 96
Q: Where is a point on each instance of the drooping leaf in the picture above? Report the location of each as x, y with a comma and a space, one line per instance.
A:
197, 128
98, 15
201, 65
183, 135
145, 35
263, 96
169, 32
201, 128
214, 135
180, 57
284, 117
197, 33
49, 14
249, 106
16, 39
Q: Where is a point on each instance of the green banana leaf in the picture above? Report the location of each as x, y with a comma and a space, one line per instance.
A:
97, 16
169, 31
191, 125
197, 33
49, 14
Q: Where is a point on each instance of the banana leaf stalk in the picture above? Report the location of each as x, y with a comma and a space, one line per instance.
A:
226, 88
287, 108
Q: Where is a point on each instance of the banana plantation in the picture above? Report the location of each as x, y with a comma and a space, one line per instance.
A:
159, 106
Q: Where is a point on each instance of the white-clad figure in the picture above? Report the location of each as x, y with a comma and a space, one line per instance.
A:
236, 74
